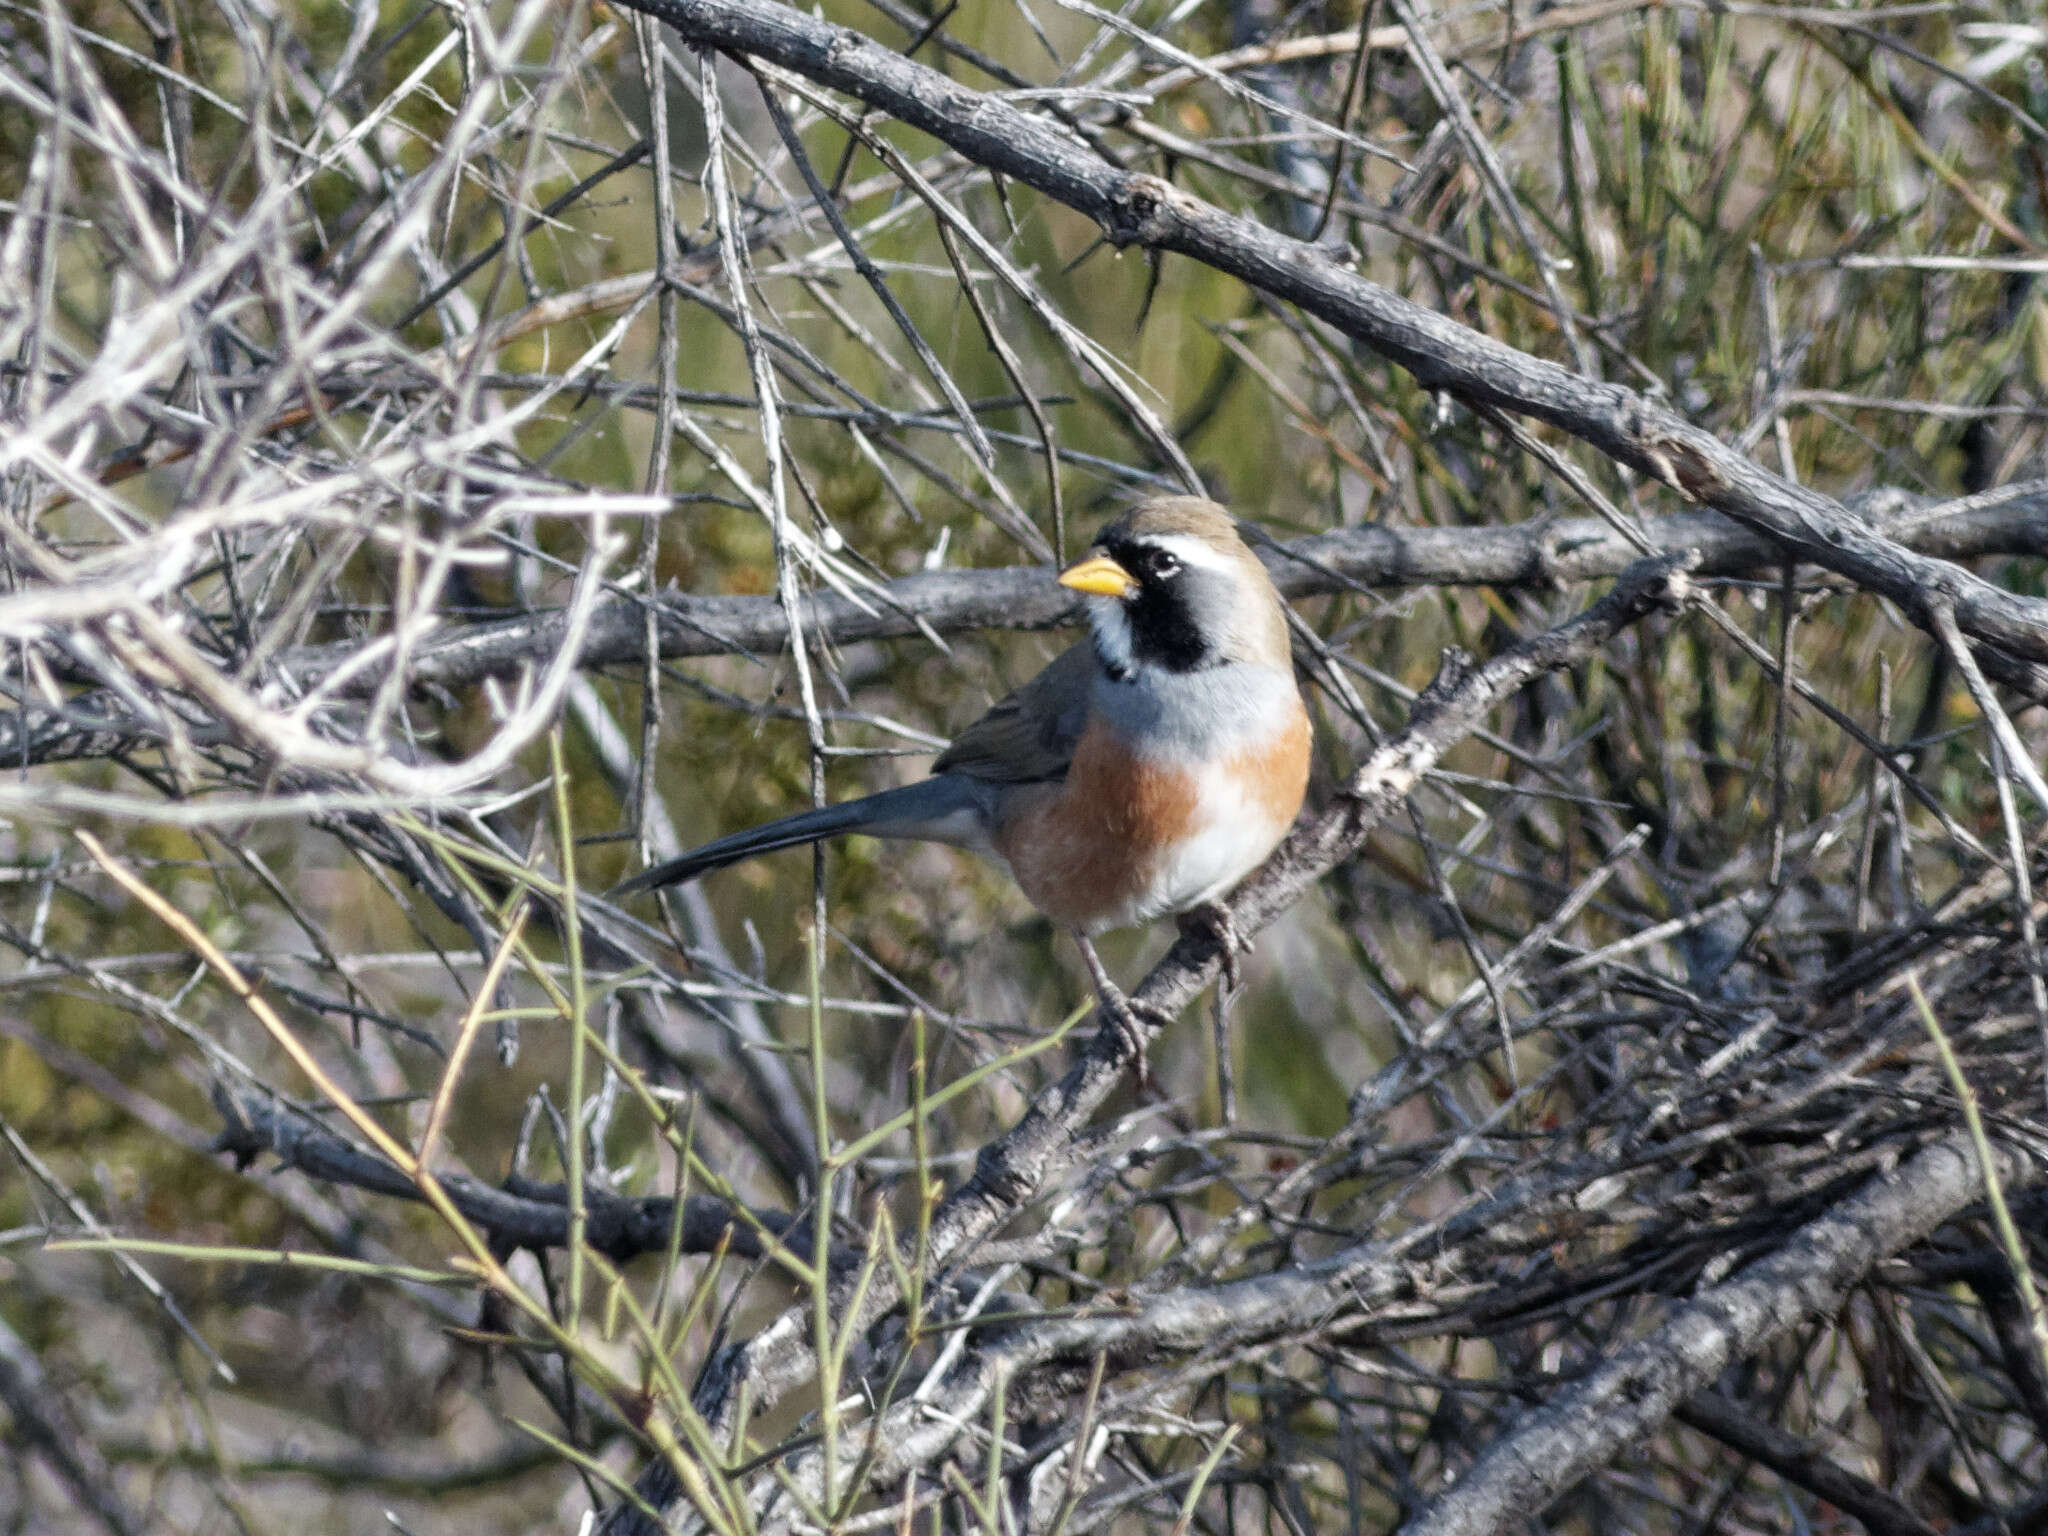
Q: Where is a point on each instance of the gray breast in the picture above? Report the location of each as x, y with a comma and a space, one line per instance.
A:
1195, 715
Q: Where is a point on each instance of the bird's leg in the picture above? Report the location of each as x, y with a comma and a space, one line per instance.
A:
1226, 1072
1123, 1013
1214, 918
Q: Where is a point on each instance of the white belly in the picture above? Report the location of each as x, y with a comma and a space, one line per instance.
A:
1233, 839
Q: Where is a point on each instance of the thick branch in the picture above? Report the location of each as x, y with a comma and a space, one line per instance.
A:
1439, 352
1024, 597
525, 1214
1641, 1386
98, 725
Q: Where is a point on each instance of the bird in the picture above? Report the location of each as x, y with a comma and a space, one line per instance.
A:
1144, 773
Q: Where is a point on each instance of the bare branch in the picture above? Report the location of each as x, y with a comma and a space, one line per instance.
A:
1371, 557
1636, 1389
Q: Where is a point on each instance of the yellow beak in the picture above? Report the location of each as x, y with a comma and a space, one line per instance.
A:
1100, 575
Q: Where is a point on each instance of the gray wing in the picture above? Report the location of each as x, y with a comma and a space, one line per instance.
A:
1030, 734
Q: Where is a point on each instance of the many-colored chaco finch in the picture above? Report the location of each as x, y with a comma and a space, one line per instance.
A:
1146, 771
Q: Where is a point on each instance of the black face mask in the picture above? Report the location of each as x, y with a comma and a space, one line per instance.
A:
1162, 614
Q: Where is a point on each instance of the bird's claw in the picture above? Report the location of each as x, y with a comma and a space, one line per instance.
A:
1124, 1014
1213, 919
1128, 1017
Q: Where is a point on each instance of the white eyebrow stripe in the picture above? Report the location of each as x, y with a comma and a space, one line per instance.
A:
1190, 550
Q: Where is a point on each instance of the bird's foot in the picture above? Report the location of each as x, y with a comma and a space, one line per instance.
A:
1130, 1019
1126, 1015
1214, 919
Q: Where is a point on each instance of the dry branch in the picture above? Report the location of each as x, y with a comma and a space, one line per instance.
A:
523, 1213
1375, 556
1137, 209
90, 725
1637, 1388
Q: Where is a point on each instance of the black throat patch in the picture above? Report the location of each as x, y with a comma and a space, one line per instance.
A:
1162, 613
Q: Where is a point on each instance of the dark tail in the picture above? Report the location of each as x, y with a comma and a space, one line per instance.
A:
915, 810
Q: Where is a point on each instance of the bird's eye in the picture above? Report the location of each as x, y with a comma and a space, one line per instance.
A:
1164, 564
